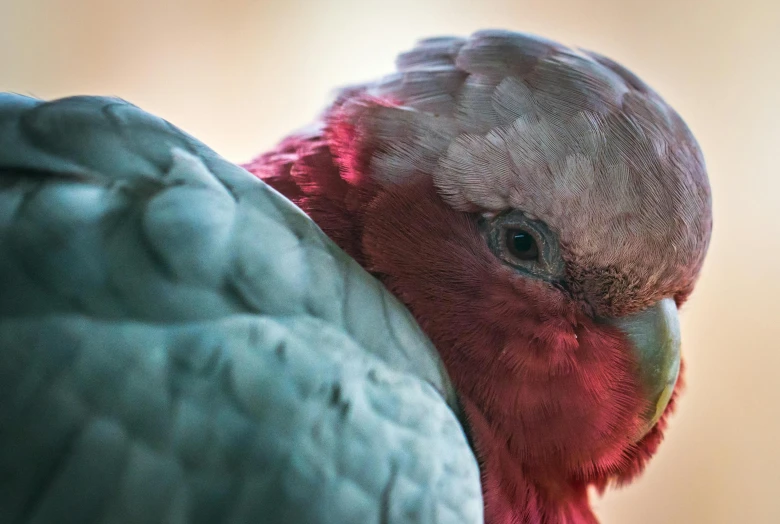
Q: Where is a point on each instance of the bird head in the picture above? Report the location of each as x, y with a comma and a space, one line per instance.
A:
543, 213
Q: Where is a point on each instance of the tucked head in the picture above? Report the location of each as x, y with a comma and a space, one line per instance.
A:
543, 213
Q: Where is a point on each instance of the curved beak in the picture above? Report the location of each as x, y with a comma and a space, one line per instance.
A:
655, 336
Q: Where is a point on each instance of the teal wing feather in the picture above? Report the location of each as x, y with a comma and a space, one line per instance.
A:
180, 343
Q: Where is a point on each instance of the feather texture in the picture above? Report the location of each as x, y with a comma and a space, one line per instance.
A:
179, 343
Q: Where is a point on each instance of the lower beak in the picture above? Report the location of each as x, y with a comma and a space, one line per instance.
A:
655, 337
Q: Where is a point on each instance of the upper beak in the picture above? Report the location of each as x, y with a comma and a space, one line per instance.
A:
655, 336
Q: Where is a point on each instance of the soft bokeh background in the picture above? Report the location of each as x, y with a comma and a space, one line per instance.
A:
239, 74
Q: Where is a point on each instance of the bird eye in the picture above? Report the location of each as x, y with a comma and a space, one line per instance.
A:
521, 244
527, 246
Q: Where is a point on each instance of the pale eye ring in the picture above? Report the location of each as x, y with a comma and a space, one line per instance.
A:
524, 244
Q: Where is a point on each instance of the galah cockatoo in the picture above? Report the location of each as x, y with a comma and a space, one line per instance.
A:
181, 343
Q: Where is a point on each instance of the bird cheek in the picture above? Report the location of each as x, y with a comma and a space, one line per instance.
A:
556, 343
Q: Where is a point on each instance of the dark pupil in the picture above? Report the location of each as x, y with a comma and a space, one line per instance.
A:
522, 244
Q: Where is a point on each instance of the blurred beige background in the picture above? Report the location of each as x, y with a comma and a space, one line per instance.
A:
239, 74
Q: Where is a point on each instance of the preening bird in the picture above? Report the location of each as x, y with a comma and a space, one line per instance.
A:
464, 310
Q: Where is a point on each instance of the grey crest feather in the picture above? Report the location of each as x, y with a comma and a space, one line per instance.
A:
506, 120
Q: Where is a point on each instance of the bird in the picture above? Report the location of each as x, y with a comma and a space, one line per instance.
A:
453, 298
